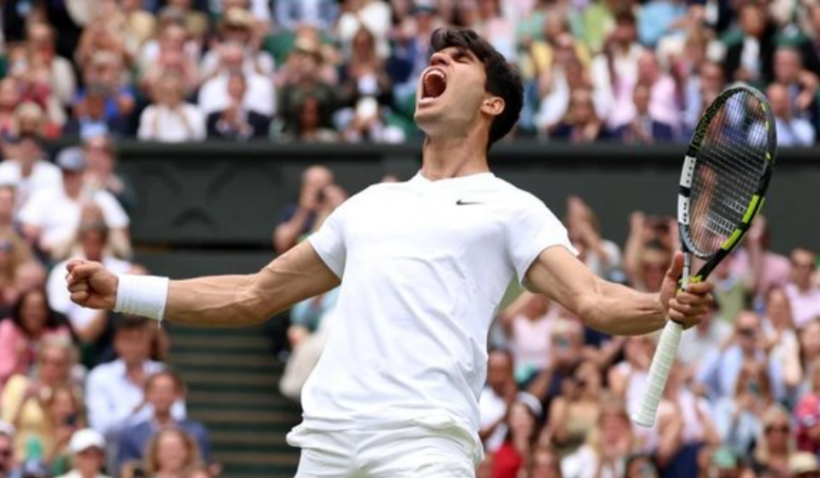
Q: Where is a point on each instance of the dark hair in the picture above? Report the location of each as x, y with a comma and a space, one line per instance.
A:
53, 319
179, 384
503, 79
625, 17
128, 323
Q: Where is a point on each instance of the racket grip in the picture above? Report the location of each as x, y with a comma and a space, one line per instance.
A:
662, 362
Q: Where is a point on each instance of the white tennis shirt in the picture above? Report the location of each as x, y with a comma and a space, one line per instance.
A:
424, 265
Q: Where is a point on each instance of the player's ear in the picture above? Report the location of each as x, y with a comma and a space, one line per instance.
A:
492, 105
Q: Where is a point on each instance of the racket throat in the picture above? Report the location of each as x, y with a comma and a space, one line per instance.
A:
687, 266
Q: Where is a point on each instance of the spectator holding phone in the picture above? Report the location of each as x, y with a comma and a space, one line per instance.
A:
299, 219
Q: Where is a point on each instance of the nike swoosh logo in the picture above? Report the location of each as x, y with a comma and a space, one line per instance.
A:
462, 202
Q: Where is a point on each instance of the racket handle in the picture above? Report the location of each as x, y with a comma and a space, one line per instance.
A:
662, 362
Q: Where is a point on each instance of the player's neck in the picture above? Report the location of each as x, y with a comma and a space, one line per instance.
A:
453, 157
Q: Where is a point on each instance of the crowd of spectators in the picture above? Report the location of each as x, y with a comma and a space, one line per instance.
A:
634, 71
81, 391
743, 399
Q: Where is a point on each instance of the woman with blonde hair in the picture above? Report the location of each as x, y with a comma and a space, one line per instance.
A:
25, 402
608, 445
776, 444
172, 453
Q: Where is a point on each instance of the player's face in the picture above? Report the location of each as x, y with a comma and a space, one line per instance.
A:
450, 93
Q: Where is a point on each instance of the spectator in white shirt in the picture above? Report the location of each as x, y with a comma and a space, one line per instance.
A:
51, 218
170, 119
791, 130
214, 96
28, 170
88, 324
804, 296
115, 391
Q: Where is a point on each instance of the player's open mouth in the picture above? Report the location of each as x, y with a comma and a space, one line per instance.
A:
433, 85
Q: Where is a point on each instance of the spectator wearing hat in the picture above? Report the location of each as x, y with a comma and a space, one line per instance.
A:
7, 462
28, 170
260, 95
162, 391
87, 448
51, 218
804, 465
236, 122
170, 119
237, 26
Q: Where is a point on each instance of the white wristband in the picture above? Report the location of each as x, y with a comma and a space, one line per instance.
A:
144, 296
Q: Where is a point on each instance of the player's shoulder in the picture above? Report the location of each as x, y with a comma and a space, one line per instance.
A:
513, 196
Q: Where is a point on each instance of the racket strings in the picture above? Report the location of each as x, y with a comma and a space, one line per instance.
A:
730, 163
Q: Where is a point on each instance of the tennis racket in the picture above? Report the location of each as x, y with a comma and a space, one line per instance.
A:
722, 187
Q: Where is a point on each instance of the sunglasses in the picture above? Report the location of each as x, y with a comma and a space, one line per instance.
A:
778, 428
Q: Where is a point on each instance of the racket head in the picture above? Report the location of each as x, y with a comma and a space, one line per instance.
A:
726, 174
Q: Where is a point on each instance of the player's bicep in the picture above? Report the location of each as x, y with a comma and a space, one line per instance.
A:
296, 275
559, 275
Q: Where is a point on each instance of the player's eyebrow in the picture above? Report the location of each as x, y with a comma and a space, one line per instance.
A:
462, 52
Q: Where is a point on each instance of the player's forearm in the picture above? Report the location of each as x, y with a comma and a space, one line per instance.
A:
620, 310
217, 301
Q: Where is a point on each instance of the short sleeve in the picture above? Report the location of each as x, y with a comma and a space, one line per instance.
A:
329, 241
533, 230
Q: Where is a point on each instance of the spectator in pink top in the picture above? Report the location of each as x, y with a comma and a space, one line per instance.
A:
766, 269
803, 295
31, 322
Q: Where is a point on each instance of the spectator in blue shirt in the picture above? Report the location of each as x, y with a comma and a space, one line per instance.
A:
162, 390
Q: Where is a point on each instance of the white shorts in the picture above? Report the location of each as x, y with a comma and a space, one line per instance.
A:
413, 451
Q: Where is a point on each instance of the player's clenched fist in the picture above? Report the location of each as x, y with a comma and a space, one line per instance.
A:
91, 285
690, 305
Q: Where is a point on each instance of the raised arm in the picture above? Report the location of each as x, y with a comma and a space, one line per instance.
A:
231, 300
613, 308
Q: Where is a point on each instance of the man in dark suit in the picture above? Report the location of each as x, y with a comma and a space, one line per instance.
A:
644, 129
161, 391
235, 121
751, 59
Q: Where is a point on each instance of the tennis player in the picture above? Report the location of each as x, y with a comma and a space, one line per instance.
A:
422, 265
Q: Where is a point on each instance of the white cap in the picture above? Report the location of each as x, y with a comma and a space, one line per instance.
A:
6, 429
84, 439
